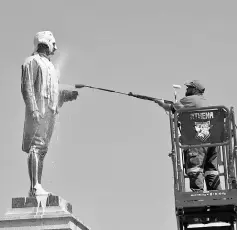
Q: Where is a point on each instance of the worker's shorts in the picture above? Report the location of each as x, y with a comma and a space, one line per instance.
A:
200, 164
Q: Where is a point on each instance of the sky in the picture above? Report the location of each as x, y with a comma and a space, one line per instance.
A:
109, 153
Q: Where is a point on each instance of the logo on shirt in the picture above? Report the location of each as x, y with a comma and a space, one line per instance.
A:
202, 130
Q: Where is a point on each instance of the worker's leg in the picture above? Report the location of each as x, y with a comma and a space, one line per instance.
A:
211, 170
194, 159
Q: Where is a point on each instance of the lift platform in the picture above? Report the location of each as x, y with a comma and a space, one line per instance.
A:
205, 127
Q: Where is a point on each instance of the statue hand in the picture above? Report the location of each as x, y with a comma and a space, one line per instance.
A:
74, 95
69, 95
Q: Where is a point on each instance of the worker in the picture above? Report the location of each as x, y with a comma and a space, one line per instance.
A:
201, 162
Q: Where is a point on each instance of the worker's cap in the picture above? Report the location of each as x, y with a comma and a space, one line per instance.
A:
196, 84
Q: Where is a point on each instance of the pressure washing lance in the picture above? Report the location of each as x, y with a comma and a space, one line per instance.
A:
143, 97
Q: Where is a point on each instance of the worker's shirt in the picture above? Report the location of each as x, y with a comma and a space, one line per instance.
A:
194, 101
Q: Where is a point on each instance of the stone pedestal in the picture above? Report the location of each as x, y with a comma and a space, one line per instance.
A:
41, 213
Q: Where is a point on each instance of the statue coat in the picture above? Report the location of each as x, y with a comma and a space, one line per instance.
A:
41, 92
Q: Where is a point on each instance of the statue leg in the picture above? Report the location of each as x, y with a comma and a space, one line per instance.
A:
48, 124
35, 168
32, 169
39, 142
39, 188
40, 167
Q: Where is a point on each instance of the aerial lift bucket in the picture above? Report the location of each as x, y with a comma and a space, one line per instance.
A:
205, 127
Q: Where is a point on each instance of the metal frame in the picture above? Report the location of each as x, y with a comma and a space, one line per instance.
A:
207, 204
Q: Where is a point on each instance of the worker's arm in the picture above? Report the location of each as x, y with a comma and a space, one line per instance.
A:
169, 107
162, 104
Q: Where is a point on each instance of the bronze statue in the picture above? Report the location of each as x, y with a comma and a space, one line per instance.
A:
43, 97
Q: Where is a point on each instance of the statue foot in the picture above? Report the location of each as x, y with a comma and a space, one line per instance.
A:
31, 193
39, 191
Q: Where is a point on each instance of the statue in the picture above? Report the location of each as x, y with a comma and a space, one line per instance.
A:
43, 97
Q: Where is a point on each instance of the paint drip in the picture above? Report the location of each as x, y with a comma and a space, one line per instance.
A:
41, 200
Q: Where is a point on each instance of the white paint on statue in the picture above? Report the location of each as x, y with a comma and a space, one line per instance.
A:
41, 200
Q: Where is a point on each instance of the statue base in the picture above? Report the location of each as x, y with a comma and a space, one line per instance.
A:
42, 212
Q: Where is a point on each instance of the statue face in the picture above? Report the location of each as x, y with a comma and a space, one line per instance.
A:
45, 37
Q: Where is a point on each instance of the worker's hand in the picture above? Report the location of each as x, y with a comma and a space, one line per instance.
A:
160, 102
37, 116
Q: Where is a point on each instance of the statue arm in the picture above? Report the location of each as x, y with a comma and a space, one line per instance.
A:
28, 77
